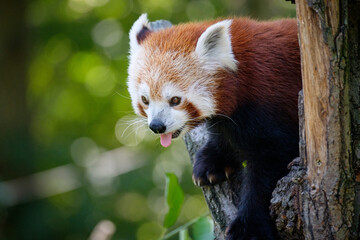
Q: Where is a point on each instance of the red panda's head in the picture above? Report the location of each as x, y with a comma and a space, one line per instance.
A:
172, 73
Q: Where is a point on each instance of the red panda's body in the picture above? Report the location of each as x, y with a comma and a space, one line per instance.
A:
241, 77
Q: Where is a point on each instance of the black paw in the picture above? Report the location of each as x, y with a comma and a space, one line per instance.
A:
209, 176
210, 171
241, 229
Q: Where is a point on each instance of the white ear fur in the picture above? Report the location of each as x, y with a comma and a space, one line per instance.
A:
214, 47
135, 30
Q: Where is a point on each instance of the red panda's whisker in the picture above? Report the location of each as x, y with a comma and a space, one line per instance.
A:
214, 124
119, 94
227, 118
132, 131
136, 122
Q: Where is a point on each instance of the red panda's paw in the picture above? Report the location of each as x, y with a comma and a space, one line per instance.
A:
209, 174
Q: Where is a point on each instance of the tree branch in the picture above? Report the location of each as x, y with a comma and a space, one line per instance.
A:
222, 199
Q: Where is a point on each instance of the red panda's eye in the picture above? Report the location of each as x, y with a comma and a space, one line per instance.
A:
145, 101
174, 101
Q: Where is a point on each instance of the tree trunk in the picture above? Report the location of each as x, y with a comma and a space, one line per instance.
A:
14, 116
319, 198
328, 191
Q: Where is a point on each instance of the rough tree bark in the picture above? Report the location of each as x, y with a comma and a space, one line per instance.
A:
222, 199
328, 190
319, 199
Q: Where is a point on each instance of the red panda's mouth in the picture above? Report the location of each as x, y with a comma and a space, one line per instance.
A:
177, 133
165, 138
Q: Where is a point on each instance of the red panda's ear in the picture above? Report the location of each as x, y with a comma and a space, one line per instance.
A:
214, 47
138, 32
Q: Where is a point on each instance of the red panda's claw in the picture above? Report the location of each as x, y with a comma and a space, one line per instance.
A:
212, 178
193, 179
196, 181
201, 182
228, 172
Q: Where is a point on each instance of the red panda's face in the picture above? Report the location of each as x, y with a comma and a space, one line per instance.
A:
166, 90
175, 90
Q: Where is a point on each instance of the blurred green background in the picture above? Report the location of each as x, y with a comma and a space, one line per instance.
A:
72, 154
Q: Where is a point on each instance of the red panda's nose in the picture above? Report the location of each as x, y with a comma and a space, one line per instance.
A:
157, 126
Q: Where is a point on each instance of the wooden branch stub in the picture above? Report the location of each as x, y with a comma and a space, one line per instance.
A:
285, 206
286, 201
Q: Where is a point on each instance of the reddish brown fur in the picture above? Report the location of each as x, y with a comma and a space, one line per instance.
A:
169, 74
141, 110
266, 53
269, 63
193, 112
267, 82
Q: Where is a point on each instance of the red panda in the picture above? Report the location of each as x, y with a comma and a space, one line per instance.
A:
239, 76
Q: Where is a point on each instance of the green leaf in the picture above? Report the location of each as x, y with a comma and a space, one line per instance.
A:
174, 198
184, 235
203, 229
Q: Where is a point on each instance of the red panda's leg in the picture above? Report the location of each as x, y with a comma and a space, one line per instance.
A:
253, 220
216, 161
213, 164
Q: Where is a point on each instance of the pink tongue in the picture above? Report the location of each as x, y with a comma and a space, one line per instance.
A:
165, 139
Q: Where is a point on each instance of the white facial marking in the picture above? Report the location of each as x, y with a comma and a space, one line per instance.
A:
174, 119
194, 85
194, 75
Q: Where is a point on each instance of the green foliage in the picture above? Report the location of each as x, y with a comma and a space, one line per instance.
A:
202, 229
80, 114
174, 197
184, 235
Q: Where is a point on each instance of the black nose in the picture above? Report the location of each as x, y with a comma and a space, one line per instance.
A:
157, 126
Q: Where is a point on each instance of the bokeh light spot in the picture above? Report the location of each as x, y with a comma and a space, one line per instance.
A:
41, 73
96, 3
194, 206
79, 6
107, 33
84, 151
37, 13
132, 207
68, 106
114, 9
157, 203
58, 49
131, 130
149, 231
100, 81
163, 166
80, 63
165, 4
